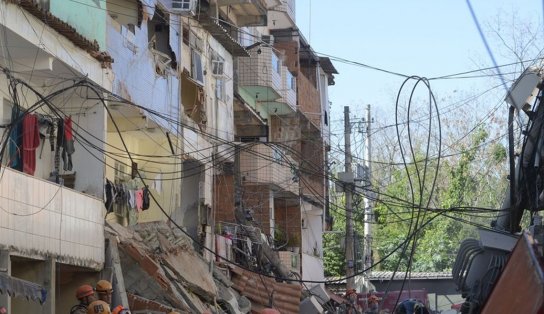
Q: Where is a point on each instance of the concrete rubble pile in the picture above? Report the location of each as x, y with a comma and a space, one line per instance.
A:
162, 272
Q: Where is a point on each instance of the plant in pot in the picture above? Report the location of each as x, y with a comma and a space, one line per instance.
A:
293, 243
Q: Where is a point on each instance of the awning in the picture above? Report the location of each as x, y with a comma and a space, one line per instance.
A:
15, 287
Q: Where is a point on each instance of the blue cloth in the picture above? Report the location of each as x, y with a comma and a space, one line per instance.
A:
16, 139
16, 287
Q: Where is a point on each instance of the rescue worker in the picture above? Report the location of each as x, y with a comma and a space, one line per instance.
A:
98, 307
120, 310
104, 291
85, 295
411, 306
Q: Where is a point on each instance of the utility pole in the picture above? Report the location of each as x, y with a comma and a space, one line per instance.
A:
369, 216
348, 186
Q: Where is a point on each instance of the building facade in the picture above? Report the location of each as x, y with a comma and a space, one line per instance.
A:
138, 111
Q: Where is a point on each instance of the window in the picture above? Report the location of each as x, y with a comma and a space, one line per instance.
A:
276, 63
220, 90
184, 5
218, 65
326, 118
196, 70
291, 81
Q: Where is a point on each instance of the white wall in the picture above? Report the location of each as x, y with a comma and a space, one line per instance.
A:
312, 242
134, 69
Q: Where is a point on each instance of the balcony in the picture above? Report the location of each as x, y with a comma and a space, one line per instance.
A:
40, 218
283, 15
260, 74
268, 165
246, 12
289, 92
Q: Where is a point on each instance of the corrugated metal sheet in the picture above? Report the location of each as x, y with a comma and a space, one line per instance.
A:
41, 218
386, 275
259, 288
520, 288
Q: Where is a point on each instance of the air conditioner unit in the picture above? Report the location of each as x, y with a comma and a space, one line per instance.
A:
184, 7
268, 39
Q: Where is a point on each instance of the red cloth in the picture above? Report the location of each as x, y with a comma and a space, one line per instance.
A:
31, 141
68, 128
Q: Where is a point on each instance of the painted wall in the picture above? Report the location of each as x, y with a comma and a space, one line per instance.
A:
88, 17
30, 270
312, 242
160, 174
49, 40
134, 69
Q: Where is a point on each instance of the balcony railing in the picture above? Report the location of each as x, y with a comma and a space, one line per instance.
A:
260, 74
268, 165
40, 218
283, 16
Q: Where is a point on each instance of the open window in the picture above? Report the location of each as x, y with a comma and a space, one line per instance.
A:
159, 41
197, 70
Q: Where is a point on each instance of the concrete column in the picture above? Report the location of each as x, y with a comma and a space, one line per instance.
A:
5, 268
49, 283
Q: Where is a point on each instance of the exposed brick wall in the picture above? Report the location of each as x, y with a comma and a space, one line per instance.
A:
290, 51
308, 100
312, 167
287, 131
224, 198
288, 219
256, 198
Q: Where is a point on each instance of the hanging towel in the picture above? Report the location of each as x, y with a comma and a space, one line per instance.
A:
31, 141
139, 194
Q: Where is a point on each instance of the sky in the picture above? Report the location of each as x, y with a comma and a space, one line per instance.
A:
420, 37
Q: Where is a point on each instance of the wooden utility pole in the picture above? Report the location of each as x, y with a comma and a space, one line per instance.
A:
348, 190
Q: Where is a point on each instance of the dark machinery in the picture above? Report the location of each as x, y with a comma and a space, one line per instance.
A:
480, 262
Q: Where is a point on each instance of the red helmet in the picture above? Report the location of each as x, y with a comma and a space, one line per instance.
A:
84, 291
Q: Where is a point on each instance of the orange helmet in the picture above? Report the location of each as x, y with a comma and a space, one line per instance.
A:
84, 291
120, 310
104, 286
98, 307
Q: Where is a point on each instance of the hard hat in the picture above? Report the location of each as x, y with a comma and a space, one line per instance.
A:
98, 307
120, 310
104, 286
84, 291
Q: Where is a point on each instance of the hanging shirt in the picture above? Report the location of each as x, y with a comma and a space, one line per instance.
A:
68, 144
139, 194
16, 139
31, 141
